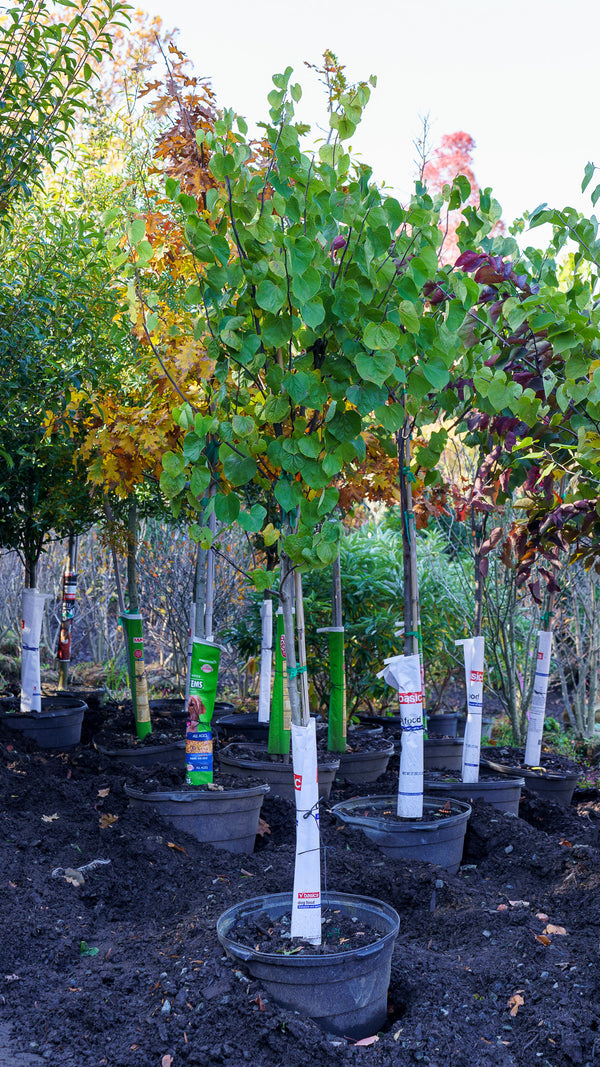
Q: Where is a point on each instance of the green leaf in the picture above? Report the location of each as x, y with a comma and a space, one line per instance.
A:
242, 425
193, 447
171, 485
381, 335
270, 297
252, 521
313, 314
436, 372
173, 462
306, 286
409, 316
262, 579
227, 507
277, 408
137, 231
375, 367
193, 294
390, 416
327, 553
302, 253
288, 494
239, 470
587, 176
199, 481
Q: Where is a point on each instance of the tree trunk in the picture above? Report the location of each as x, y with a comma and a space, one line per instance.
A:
286, 592
132, 545
336, 593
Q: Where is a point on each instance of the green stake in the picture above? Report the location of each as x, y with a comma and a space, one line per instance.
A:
280, 721
336, 733
134, 640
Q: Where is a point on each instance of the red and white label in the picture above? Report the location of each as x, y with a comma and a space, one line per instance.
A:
138, 640
540, 655
206, 667
476, 676
410, 698
309, 896
297, 781
282, 645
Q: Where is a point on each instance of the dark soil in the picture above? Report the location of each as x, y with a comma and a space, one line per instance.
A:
265, 934
497, 965
550, 762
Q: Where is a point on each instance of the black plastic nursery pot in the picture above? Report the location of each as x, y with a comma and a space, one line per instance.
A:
443, 753
442, 724
551, 785
57, 725
242, 724
94, 698
436, 838
345, 993
146, 754
253, 761
503, 792
365, 766
227, 819
171, 706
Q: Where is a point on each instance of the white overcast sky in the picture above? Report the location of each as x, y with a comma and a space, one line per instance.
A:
521, 76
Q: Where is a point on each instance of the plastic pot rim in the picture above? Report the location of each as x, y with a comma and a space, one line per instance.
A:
509, 769
170, 746
322, 959
374, 822
450, 780
180, 797
255, 763
76, 708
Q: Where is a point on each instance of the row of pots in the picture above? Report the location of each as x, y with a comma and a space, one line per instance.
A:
344, 992
58, 725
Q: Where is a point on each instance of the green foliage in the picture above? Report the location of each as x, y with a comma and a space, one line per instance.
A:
308, 290
55, 337
371, 566
46, 60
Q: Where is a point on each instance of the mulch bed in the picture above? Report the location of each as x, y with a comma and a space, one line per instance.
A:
495, 966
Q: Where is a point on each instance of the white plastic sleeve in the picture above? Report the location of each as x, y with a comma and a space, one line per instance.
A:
537, 713
266, 661
31, 689
306, 905
474, 655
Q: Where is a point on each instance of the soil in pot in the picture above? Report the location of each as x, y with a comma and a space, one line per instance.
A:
164, 745
437, 837
341, 984
252, 761
555, 779
93, 697
499, 790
